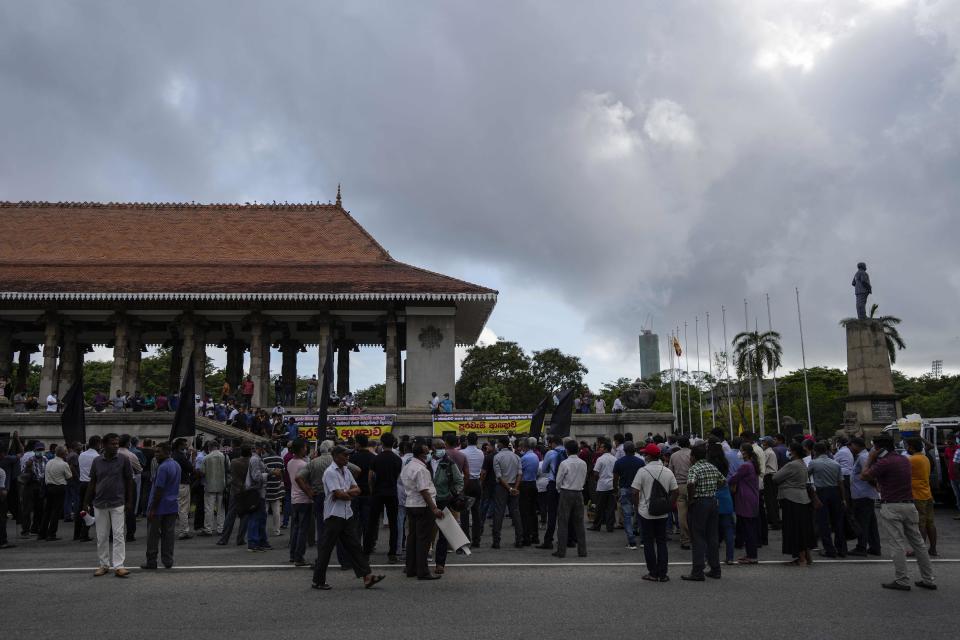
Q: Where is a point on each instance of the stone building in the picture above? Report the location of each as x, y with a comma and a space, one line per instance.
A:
239, 276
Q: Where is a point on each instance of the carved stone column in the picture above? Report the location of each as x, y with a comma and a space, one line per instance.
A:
343, 369
6, 355
48, 375
393, 369
290, 348
120, 353
23, 367
259, 360
176, 360
200, 356
131, 376
69, 354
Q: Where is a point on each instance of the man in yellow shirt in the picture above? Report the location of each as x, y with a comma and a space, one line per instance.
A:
922, 497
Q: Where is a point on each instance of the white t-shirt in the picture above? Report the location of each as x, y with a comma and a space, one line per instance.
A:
604, 470
51, 403
643, 482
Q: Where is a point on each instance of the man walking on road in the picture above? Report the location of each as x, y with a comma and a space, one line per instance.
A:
890, 472
214, 470
571, 478
654, 527
109, 495
506, 470
703, 480
162, 510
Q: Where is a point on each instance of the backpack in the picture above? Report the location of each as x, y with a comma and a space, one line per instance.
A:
659, 503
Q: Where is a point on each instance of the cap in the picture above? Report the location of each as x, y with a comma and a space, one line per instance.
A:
38, 446
651, 450
766, 439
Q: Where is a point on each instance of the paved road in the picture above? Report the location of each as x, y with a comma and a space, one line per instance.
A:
492, 593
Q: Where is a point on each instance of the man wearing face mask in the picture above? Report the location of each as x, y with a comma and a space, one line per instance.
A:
448, 480
507, 471
421, 509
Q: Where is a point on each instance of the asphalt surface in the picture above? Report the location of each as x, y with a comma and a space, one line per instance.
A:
222, 592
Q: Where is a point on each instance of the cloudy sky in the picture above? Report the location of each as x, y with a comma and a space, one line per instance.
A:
603, 165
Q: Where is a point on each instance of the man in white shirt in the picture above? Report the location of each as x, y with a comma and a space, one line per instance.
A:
600, 406
571, 476
52, 402
339, 489
617, 405
654, 527
470, 519
422, 512
603, 474
770, 466
56, 475
84, 462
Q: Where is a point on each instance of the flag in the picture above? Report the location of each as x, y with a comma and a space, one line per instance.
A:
536, 420
676, 347
562, 415
326, 383
740, 430
185, 419
73, 420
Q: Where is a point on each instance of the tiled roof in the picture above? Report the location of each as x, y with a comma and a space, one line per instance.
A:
193, 248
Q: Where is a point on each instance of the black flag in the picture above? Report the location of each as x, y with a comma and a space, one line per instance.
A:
536, 422
185, 419
326, 381
562, 415
73, 420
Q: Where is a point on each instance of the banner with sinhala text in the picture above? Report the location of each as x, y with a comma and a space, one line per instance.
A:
371, 425
482, 425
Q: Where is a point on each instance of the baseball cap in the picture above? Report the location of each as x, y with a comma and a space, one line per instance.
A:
650, 450
37, 446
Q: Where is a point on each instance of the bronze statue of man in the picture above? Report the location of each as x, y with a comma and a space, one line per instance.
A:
862, 289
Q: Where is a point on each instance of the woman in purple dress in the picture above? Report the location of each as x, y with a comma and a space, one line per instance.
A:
745, 485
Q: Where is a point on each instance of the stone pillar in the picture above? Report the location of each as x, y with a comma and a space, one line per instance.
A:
69, 354
430, 354
131, 376
6, 353
289, 348
23, 367
200, 357
176, 362
393, 357
869, 380
120, 353
234, 371
48, 375
343, 369
259, 360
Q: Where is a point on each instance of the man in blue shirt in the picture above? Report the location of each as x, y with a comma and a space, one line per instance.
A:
529, 465
162, 509
551, 461
624, 471
864, 498
446, 405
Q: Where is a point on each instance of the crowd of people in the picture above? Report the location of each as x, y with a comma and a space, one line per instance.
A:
714, 494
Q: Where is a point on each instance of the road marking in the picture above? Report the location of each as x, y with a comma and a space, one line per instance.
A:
466, 565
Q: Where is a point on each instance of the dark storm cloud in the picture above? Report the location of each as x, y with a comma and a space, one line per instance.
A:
686, 155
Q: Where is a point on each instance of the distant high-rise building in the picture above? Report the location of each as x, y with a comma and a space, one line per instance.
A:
649, 354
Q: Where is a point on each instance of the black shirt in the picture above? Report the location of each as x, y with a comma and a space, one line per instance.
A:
490, 480
186, 468
387, 466
363, 459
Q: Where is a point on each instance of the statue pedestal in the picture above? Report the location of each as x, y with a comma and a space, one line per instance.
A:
869, 380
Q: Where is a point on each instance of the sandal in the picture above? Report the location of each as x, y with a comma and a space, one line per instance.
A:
373, 580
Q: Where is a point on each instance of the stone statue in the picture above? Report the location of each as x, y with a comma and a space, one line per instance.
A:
862, 289
638, 395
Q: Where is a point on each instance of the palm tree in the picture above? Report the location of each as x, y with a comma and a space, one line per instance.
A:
752, 352
890, 332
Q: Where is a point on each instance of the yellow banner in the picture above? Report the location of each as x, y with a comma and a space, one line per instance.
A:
482, 425
310, 432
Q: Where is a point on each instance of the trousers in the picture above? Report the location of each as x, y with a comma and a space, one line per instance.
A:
865, 511
654, 536
161, 535
704, 531
421, 522
379, 504
111, 521
570, 512
682, 508
346, 533
213, 512
605, 510
830, 523
183, 505
553, 504
528, 512
901, 522
52, 510
505, 501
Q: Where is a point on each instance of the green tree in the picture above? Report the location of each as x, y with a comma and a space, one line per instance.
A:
492, 398
609, 391
373, 396
554, 370
753, 352
828, 390
503, 363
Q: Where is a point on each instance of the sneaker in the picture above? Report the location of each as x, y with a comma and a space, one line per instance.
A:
926, 585
896, 586
632, 547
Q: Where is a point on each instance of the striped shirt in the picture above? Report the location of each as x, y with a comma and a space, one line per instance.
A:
274, 484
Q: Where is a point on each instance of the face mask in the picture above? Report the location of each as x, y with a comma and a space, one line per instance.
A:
439, 453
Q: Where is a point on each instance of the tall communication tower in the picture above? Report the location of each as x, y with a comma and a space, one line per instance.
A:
937, 369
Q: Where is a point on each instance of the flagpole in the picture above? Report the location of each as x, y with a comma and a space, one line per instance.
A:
686, 360
696, 333
713, 401
763, 431
676, 337
673, 387
746, 328
726, 368
776, 397
803, 356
